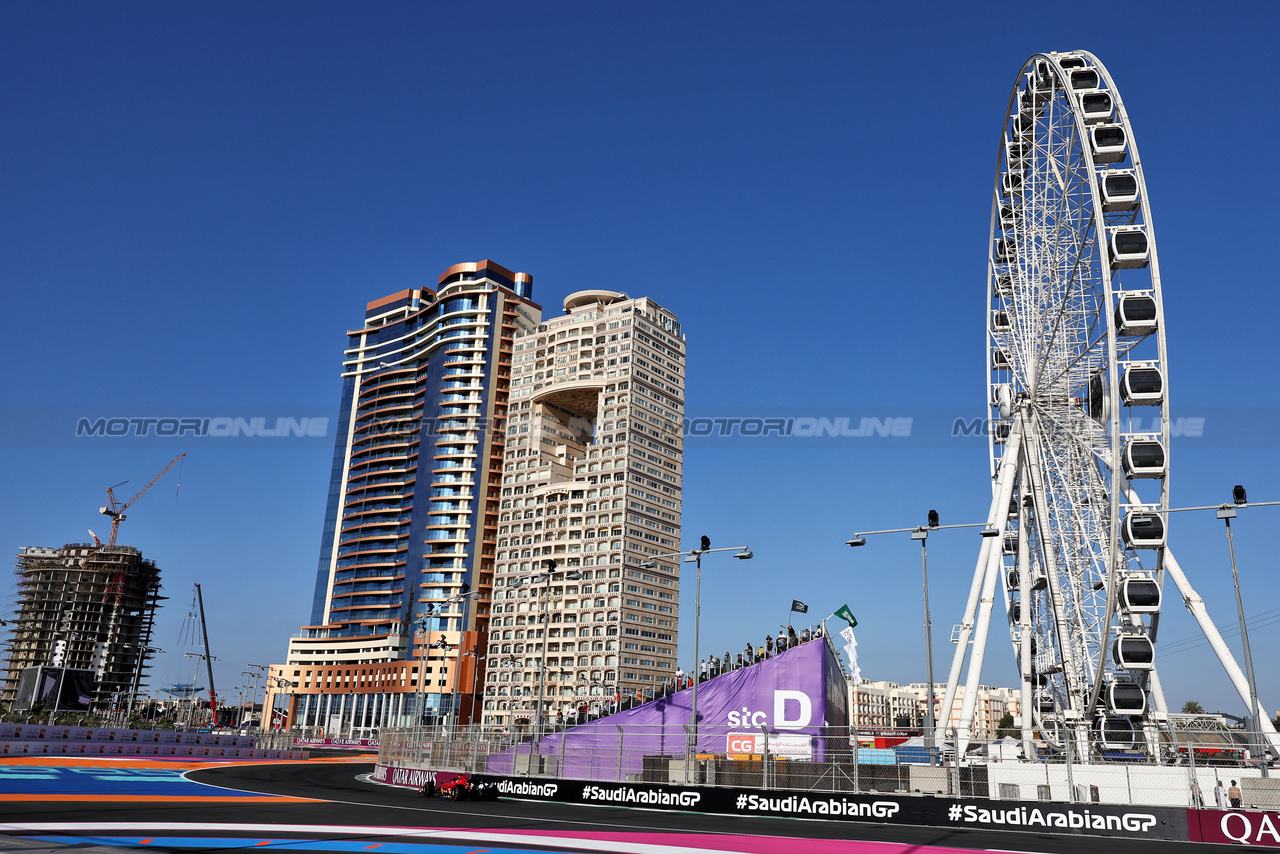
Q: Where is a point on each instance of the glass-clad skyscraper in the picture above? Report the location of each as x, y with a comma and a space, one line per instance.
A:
405, 571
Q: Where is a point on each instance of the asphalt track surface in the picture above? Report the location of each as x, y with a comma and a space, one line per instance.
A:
326, 807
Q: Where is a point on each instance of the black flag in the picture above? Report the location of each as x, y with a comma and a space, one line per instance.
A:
797, 605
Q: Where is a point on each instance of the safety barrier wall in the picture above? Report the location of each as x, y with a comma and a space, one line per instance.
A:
1097, 820
826, 763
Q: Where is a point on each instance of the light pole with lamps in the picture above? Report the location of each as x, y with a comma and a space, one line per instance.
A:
143, 650
274, 682
456, 704
549, 569
440, 644
1226, 514
695, 555
1261, 730
258, 671
921, 533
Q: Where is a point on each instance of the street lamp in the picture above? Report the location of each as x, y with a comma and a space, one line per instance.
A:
456, 705
1226, 513
1258, 726
275, 682
143, 650
921, 533
549, 567
258, 671
423, 662
695, 555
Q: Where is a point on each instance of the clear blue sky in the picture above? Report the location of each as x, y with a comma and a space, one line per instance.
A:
196, 200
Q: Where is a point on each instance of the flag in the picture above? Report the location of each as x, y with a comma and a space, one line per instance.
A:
798, 606
851, 650
845, 614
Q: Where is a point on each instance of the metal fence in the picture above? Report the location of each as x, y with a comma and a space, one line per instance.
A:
828, 760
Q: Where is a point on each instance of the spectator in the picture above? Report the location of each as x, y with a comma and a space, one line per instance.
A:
702, 670
738, 665
792, 640
804, 636
782, 641
728, 661
768, 645
1233, 795
1219, 796
759, 654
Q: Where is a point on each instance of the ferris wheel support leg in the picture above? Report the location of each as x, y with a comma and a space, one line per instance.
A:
964, 731
1025, 635
1198, 610
1002, 492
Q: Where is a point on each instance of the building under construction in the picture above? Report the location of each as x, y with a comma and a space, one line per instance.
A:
84, 607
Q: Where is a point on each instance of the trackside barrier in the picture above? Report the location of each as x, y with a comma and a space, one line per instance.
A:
412, 778
737, 757
1149, 823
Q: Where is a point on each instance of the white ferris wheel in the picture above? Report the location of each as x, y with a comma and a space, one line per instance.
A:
1078, 390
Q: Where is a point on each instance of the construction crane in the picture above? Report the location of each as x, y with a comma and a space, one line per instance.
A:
116, 512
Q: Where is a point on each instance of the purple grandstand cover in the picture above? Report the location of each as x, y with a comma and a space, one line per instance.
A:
791, 695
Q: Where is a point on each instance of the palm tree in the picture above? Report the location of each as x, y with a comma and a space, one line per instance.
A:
1191, 707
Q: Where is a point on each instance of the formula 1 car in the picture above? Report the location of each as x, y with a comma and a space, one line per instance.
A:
460, 789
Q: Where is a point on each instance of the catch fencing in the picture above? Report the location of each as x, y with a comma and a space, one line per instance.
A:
829, 760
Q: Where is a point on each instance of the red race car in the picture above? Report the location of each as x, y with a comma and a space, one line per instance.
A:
460, 788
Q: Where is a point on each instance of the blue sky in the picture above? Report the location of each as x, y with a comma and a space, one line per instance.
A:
198, 200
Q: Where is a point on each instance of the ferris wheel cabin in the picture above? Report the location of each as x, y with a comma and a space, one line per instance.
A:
1134, 652
1108, 143
1096, 107
1142, 386
1143, 458
1136, 314
1000, 321
1085, 80
1143, 530
1116, 732
1119, 191
1140, 594
1010, 183
1126, 698
1129, 248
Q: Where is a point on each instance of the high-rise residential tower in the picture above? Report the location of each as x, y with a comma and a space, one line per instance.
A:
400, 613
590, 495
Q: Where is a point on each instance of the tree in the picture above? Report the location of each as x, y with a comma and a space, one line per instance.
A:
1191, 707
1006, 727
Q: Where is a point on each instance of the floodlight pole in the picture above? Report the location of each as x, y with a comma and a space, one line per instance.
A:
1226, 514
921, 533
931, 721
743, 553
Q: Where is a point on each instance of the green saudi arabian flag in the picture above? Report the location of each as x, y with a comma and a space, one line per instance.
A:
845, 614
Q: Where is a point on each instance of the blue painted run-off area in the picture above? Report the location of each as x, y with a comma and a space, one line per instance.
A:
99, 780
